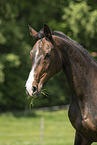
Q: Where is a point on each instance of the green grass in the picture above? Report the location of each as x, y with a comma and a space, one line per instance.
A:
24, 129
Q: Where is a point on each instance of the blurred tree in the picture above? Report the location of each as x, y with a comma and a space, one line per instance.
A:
81, 21
12, 62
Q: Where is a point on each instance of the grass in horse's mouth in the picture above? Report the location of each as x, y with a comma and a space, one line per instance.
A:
30, 99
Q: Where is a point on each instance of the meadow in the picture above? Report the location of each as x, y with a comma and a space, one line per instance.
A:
36, 128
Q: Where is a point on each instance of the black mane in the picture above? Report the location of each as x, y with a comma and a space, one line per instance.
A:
60, 34
40, 35
74, 43
64, 36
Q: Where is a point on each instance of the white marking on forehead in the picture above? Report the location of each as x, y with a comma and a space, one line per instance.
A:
30, 80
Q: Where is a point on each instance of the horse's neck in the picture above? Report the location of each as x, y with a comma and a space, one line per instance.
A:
80, 70
79, 67
76, 65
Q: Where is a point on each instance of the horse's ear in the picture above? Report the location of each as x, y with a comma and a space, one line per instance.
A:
47, 32
33, 33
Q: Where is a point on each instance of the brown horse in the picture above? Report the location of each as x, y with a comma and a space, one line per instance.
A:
53, 52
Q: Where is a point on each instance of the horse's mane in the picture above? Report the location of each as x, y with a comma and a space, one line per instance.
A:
64, 36
72, 42
60, 34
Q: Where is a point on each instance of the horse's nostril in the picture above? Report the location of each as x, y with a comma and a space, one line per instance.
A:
34, 89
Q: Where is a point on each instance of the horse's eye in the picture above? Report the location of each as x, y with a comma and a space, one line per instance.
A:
47, 55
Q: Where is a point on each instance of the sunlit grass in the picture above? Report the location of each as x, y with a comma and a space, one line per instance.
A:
25, 129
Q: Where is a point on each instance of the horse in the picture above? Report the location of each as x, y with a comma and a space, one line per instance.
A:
53, 52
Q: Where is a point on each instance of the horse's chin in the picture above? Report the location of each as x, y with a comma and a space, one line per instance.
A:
36, 95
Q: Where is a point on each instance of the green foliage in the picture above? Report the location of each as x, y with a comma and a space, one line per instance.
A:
1, 73
81, 21
13, 60
2, 39
92, 25
78, 19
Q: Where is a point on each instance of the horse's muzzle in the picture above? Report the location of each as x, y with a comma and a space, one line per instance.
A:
34, 92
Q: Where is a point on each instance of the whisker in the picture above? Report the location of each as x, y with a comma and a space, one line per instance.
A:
45, 93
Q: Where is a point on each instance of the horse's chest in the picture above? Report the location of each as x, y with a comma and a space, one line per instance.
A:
89, 129
83, 125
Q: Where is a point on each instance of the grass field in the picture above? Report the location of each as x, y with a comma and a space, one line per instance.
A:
25, 129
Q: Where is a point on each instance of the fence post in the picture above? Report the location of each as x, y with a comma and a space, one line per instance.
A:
41, 130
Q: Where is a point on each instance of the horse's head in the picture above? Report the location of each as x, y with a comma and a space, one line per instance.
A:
46, 61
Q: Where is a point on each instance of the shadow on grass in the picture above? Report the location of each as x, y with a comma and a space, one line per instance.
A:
33, 113
25, 113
